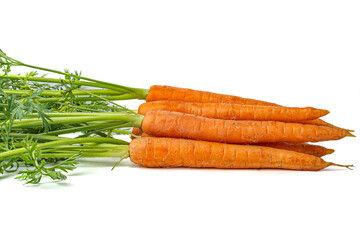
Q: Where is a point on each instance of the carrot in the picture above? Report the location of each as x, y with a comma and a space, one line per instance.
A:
169, 93
320, 122
306, 115
181, 125
306, 148
159, 92
136, 132
311, 149
171, 152
144, 134
235, 111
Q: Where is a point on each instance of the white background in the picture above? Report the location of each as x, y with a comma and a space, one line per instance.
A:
295, 53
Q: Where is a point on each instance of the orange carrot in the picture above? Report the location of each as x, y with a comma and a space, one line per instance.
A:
311, 149
306, 115
158, 92
137, 131
320, 122
235, 111
144, 134
306, 148
171, 152
181, 125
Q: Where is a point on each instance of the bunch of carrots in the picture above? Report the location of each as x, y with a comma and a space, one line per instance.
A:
184, 127
175, 127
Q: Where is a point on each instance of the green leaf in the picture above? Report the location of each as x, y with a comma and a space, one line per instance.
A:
33, 95
56, 175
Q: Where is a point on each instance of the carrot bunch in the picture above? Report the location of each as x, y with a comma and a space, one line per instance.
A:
184, 127
174, 127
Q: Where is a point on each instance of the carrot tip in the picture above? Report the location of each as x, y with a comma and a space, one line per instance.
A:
350, 167
329, 151
349, 134
325, 112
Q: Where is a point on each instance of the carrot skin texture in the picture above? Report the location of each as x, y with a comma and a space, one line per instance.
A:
180, 125
320, 122
161, 92
231, 111
315, 150
172, 152
310, 149
137, 131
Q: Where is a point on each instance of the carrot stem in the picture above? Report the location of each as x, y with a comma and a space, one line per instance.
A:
84, 140
122, 90
119, 117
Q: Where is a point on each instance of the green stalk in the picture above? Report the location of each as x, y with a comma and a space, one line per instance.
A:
108, 85
77, 148
14, 62
134, 120
115, 94
114, 151
104, 99
127, 96
60, 93
141, 93
16, 144
74, 114
84, 154
121, 131
36, 136
55, 80
91, 108
85, 140
35, 116
98, 126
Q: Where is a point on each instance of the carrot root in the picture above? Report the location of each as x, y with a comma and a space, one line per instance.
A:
341, 165
180, 125
316, 150
349, 134
160, 92
320, 122
230, 111
175, 152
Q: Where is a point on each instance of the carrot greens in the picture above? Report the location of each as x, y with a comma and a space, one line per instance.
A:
7, 62
38, 113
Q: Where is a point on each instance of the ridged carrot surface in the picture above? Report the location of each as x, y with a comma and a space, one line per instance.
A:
235, 111
160, 92
311, 149
181, 125
171, 152
306, 148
